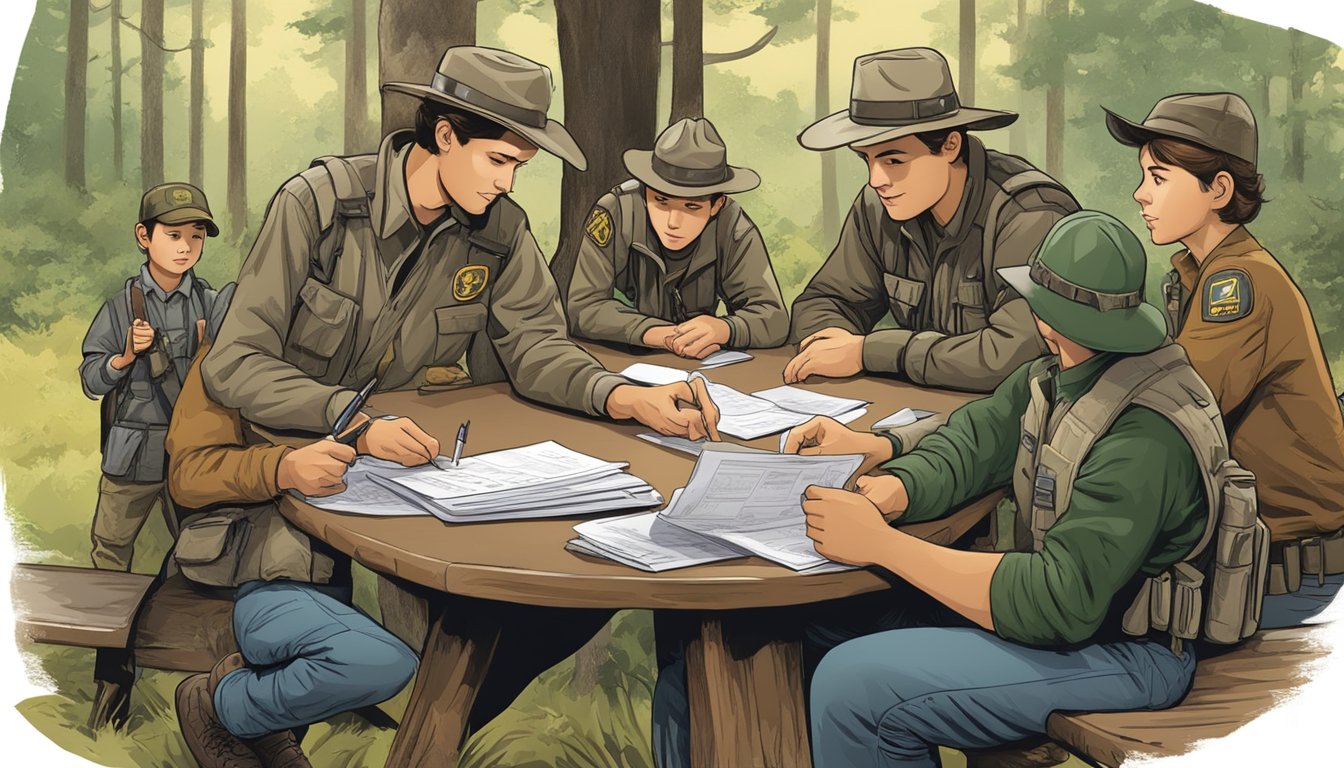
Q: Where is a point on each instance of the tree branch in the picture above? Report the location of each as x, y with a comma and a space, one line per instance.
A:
157, 43
720, 58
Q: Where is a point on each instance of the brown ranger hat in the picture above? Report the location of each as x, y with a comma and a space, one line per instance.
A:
689, 160
505, 87
895, 94
1222, 122
177, 203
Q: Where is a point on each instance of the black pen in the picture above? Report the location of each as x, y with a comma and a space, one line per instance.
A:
461, 443
347, 415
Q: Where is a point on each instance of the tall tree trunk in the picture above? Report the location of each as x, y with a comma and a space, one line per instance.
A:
1297, 137
118, 145
356, 84
197, 142
611, 104
966, 57
410, 43
238, 118
688, 54
76, 91
1054, 101
830, 205
151, 93
1017, 134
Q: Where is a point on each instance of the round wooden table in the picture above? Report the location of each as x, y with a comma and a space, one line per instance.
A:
745, 710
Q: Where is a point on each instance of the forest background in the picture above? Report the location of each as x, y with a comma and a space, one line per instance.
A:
238, 102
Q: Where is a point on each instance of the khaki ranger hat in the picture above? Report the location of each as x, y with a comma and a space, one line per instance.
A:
895, 94
1222, 122
689, 160
1086, 281
177, 203
503, 86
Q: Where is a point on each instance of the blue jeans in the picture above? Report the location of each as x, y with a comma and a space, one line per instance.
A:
1295, 608
309, 656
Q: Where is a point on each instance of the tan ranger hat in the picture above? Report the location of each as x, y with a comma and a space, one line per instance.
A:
689, 160
177, 203
899, 93
503, 86
1219, 121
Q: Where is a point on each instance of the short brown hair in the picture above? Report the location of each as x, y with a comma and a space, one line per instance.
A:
1248, 186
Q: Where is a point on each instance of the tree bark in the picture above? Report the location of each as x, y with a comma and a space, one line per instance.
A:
1017, 133
412, 37
611, 104
151, 93
76, 91
830, 206
118, 141
1054, 102
688, 54
196, 153
966, 57
238, 118
356, 82
1297, 136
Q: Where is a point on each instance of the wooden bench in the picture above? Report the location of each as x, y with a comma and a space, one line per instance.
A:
1229, 690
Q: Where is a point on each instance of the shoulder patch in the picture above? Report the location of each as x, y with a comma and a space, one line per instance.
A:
1226, 295
598, 227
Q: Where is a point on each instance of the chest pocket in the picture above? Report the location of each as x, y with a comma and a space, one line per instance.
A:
322, 327
455, 326
905, 295
972, 314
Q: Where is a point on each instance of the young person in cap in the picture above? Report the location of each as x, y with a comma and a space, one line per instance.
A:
1249, 333
135, 354
673, 243
1117, 458
923, 240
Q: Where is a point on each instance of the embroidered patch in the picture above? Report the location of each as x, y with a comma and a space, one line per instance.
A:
599, 227
181, 195
1227, 296
470, 281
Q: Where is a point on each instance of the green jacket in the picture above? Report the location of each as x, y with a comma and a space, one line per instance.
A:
1137, 507
727, 262
958, 325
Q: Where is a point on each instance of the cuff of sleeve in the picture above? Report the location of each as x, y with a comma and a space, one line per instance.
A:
638, 330
883, 350
917, 350
896, 449
915, 510
336, 404
601, 388
111, 375
269, 481
738, 335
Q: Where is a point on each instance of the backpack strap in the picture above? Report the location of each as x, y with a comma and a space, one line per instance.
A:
1008, 189
351, 199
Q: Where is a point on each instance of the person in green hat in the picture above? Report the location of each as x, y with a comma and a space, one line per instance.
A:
136, 352
672, 242
1116, 456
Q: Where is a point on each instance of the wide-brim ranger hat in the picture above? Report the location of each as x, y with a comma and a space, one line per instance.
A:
1086, 282
505, 87
895, 94
689, 159
1219, 121
177, 202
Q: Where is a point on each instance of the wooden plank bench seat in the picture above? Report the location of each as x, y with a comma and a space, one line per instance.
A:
1229, 690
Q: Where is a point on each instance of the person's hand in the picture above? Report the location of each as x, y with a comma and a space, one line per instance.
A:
680, 409
700, 336
832, 352
138, 338
399, 440
315, 470
845, 526
200, 331
823, 435
886, 492
659, 336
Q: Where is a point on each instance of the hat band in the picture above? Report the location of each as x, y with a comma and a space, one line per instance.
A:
530, 117
688, 177
1052, 282
902, 112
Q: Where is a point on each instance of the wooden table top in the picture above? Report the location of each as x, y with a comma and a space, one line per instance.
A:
526, 562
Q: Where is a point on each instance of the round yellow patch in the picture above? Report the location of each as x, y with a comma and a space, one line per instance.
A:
470, 281
181, 196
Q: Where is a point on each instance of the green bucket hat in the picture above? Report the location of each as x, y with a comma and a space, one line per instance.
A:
1086, 281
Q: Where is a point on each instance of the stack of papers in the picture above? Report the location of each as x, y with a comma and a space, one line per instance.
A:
735, 504
541, 480
761, 413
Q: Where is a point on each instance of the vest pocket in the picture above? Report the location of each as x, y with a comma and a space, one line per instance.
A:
905, 295
209, 549
971, 314
322, 321
452, 325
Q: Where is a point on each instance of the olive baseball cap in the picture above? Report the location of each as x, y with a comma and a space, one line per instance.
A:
177, 203
1219, 121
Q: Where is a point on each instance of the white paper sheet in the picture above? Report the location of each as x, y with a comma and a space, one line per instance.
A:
516, 469
902, 418
648, 542
724, 357
807, 401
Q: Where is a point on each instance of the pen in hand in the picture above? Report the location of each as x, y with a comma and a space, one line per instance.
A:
461, 443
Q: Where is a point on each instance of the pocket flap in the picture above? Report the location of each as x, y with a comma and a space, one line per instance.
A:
326, 305
203, 541
122, 445
463, 318
971, 294
904, 290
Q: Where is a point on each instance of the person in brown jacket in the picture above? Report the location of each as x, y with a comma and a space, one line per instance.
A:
1249, 333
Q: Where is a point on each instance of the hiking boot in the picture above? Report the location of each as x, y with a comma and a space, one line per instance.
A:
208, 740
223, 667
279, 750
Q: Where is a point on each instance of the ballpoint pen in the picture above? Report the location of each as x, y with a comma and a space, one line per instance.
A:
347, 415
461, 443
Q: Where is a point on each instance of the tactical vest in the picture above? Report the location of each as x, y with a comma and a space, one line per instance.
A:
1214, 596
